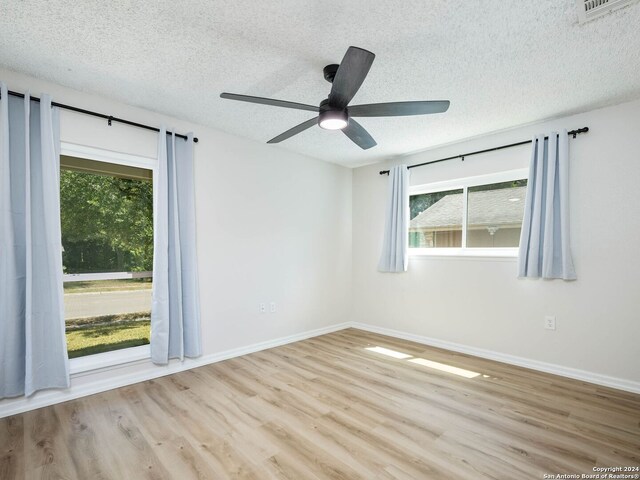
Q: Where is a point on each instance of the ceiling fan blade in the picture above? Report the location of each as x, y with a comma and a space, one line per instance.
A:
269, 101
295, 130
359, 135
350, 75
399, 109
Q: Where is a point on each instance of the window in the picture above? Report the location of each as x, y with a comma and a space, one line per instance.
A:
436, 219
494, 214
479, 215
106, 212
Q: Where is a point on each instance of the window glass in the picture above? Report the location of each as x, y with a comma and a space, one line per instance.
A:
436, 219
106, 213
494, 214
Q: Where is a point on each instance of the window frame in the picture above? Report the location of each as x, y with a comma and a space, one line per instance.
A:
90, 363
464, 184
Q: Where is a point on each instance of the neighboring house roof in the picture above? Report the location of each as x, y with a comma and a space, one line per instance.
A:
489, 207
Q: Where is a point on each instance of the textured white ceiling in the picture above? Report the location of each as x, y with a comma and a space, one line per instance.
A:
501, 63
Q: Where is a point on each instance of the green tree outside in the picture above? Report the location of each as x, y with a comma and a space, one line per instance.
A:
107, 223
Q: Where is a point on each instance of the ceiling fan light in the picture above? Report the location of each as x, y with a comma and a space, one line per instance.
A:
333, 120
333, 124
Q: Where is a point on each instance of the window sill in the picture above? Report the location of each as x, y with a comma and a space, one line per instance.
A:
91, 363
506, 254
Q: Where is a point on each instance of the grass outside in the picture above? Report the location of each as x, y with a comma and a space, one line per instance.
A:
103, 334
108, 285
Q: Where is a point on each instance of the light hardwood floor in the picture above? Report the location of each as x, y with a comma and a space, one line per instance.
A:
328, 408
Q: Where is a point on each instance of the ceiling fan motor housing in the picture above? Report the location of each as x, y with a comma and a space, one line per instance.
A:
331, 118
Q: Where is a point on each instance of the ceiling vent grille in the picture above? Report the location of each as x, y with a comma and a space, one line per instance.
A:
590, 9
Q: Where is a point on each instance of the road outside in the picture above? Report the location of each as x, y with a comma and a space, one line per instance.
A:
78, 305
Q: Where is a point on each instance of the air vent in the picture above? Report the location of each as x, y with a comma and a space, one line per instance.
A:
590, 9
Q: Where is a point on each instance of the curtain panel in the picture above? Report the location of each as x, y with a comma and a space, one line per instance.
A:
544, 242
175, 311
33, 351
395, 244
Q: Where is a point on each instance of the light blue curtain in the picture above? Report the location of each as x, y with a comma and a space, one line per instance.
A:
175, 311
33, 349
395, 245
544, 241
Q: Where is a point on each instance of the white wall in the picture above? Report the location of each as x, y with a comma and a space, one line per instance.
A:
479, 303
271, 226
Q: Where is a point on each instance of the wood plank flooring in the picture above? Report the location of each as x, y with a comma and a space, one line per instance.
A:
328, 408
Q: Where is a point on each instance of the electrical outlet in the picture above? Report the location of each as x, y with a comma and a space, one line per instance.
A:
550, 322
263, 308
272, 307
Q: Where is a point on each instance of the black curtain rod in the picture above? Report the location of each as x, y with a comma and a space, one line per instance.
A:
572, 132
108, 118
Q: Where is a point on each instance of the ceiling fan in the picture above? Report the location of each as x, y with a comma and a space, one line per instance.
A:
334, 112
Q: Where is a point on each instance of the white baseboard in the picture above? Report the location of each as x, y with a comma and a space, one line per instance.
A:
45, 398
50, 397
576, 374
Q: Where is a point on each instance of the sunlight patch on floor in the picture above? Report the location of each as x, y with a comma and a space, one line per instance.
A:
445, 368
389, 353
